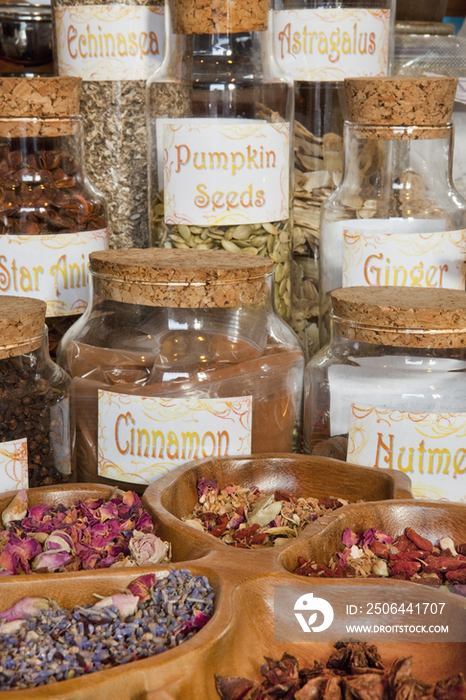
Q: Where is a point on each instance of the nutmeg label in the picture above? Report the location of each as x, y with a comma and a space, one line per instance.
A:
220, 172
14, 465
331, 43
50, 267
404, 259
142, 438
429, 447
110, 42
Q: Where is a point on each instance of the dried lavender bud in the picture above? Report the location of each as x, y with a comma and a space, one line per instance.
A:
58, 644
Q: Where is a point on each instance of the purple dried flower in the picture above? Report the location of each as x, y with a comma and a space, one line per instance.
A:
108, 510
383, 537
38, 512
349, 538
142, 585
368, 538
204, 487
24, 608
52, 560
236, 521
59, 540
144, 523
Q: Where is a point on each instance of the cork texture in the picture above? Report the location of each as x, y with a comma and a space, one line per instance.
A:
400, 100
402, 316
21, 323
40, 97
404, 133
15, 128
218, 16
180, 278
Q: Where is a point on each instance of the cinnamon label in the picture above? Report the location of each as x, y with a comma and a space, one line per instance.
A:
143, 438
332, 43
14, 465
404, 259
429, 447
224, 171
110, 42
50, 267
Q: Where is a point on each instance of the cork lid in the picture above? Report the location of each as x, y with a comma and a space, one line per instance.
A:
427, 317
180, 278
219, 16
400, 100
39, 97
21, 325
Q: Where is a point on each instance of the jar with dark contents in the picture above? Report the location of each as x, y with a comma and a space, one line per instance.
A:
36, 402
51, 217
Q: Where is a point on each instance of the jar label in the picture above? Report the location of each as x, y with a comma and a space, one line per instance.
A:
50, 267
429, 447
14, 465
110, 42
142, 438
221, 172
331, 44
404, 259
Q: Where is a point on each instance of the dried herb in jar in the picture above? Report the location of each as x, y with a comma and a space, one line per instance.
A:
113, 103
247, 518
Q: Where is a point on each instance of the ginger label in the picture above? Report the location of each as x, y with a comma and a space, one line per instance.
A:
332, 43
110, 42
224, 171
404, 259
14, 465
142, 438
429, 447
50, 267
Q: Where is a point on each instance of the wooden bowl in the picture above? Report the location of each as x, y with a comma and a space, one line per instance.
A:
128, 680
431, 519
183, 549
250, 636
174, 495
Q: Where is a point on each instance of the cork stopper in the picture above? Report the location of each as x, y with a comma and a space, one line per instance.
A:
400, 100
21, 325
219, 16
52, 99
180, 278
413, 317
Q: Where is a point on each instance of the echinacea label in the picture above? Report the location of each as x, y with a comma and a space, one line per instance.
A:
429, 447
110, 42
50, 267
331, 43
372, 258
14, 465
142, 438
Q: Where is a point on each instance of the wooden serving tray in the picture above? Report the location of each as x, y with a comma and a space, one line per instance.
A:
241, 630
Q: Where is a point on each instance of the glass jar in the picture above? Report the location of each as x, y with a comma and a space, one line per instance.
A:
427, 49
389, 390
26, 38
396, 219
51, 215
219, 127
36, 402
114, 47
318, 44
180, 356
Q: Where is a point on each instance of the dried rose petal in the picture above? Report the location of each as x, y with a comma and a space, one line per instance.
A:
383, 537
52, 560
204, 487
126, 603
349, 538
368, 538
147, 548
108, 511
25, 608
17, 508
59, 540
141, 586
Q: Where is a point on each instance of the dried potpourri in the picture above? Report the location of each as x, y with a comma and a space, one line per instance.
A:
353, 672
42, 643
409, 557
93, 534
247, 518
